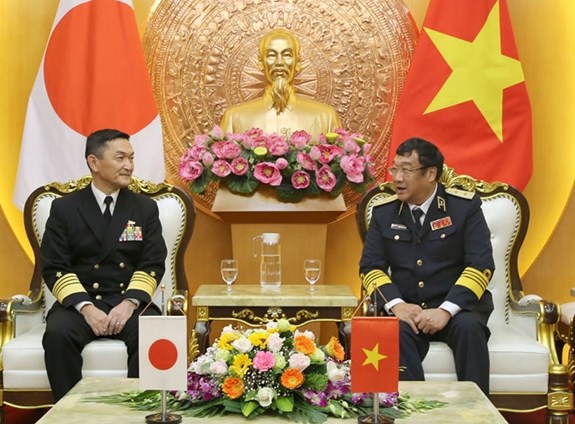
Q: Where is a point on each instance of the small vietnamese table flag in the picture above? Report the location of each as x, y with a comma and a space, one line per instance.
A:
162, 352
93, 76
465, 92
374, 354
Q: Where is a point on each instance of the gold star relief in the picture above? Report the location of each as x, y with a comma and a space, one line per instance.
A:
480, 72
373, 357
58, 274
153, 273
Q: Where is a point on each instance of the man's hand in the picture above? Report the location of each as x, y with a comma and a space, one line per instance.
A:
119, 315
430, 321
96, 319
407, 312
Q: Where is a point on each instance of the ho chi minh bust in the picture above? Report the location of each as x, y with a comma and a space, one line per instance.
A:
280, 107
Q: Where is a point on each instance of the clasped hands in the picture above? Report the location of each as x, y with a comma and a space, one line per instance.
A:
428, 321
113, 323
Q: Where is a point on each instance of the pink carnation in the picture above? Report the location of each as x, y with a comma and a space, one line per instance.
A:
268, 173
264, 361
325, 179
300, 180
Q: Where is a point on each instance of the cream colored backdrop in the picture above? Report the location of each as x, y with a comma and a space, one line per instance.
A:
543, 32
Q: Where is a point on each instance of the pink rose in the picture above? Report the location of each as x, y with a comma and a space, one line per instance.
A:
221, 168
300, 180
277, 145
353, 166
305, 161
264, 361
191, 170
217, 133
325, 179
207, 159
299, 361
281, 163
226, 149
240, 166
328, 152
268, 173
300, 139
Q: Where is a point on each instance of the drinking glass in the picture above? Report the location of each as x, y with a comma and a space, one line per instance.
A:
312, 271
229, 268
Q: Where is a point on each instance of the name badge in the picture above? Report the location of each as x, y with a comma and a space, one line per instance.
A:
398, 227
438, 224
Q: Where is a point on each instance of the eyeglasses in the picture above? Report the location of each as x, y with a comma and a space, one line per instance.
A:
406, 172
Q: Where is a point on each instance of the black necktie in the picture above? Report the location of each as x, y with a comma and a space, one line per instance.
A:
107, 213
417, 214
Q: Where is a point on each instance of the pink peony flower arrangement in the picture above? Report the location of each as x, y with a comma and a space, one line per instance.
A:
293, 164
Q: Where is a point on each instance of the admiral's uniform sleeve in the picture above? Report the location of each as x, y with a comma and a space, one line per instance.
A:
55, 253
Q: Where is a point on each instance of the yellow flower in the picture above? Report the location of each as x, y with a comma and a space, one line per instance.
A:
259, 339
226, 340
331, 137
241, 364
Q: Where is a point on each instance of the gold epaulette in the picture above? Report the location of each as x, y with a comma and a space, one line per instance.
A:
382, 200
460, 193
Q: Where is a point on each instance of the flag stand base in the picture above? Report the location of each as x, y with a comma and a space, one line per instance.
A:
370, 419
163, 418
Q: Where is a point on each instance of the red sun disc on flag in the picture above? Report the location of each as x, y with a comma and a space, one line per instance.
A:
106, 85
163, 354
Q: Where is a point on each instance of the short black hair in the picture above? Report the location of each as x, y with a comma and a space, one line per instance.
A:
96, 142
429, 155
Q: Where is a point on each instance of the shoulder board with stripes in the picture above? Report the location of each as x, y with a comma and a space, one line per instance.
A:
381, 200
460, 193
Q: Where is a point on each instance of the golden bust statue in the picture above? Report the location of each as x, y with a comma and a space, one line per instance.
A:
280, 108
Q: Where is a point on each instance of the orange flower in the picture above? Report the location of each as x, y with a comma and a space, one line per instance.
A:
233, 387
335, 349
304, 345
292, 378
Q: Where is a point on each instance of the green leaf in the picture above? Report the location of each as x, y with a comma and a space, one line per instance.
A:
249, 407
242, 184
285, 403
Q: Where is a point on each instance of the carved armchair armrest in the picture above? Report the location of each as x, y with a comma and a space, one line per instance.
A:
178, 303
547, 314
30, 304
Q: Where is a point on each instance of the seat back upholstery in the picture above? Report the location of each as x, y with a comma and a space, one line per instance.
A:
177, 216
507, 214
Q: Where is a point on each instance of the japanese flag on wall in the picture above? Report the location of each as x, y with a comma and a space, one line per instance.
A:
93, 75
163, 353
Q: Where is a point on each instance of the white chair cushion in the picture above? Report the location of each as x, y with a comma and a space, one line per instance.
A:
24, 367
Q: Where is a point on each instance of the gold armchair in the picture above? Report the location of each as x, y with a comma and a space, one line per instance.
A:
526, 374
24, 382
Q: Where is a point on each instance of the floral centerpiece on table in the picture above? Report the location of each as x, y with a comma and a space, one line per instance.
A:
292, 163
274, 369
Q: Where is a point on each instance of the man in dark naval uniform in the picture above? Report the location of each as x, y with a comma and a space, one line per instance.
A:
427, 259
103, 255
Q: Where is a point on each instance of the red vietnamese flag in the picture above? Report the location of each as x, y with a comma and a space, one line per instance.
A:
93, 76
374, 354
465, 92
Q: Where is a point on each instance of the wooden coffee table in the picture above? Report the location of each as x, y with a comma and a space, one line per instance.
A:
466, 404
